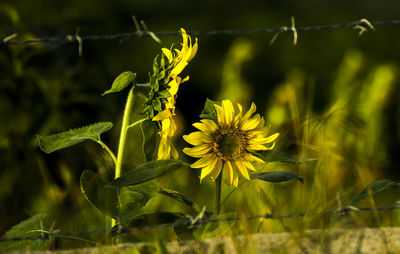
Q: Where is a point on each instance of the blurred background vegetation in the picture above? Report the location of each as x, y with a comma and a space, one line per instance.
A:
334, 96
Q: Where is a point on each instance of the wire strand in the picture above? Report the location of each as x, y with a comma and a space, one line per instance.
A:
199, 222
124, 36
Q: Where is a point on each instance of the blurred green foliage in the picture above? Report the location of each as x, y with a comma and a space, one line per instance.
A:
334, 96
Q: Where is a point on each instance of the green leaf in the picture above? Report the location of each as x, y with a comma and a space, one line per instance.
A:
209, 111
119, 203
274, 156
122, 81
183, 199
156, 218
72, 137
277, 176
33, 226
372, 189
146, 172
92, 187
150, 139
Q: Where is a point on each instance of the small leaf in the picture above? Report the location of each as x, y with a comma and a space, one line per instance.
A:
183, 199
33, 226
276, 176
146, 172
372, 189
274, 156
209, 111
150, 139
122, 81
72, 137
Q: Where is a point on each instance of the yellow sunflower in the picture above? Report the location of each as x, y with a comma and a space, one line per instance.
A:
178, 60
229, 144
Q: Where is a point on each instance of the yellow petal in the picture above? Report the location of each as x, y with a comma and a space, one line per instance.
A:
165, 114
208, 168
204, 161
194, 51
210, 124
248, 165
163, 150
251, 123
216, 170
197, 151
242, 169
220, 115
197, 138
173, 86
227, 173
252, 158
168, 54
236, 181
250, 112
229, 111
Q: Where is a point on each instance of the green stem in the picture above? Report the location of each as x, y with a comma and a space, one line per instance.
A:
137, 122
217, 197
124, 131
108, 150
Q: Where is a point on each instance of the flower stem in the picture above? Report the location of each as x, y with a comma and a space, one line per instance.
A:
124, 131
217, 197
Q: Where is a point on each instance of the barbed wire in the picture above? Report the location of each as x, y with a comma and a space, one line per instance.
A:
196, 223
363, 25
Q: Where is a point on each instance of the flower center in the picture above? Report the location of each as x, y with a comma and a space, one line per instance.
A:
229, 144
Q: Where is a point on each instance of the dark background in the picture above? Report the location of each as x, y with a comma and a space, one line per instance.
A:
47, 88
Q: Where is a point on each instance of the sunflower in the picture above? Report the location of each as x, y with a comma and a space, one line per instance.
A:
177, 60
229, 144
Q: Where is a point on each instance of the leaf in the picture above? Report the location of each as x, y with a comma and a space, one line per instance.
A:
372, 189
150, 139
146, 172
276, 176
33, 226
274, 156
72, 137
150, 219
209, 111
122, 81
92, 187
119, 203
183, 199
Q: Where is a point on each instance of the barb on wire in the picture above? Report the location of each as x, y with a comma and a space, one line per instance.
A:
200, 221
362, 24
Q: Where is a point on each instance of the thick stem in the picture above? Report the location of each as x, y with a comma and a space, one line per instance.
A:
217, 197
124, 131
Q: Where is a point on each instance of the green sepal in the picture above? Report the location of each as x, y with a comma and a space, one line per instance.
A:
372, 189
276, 176
274, 156
146, 172
209, 111
120, 82
72, 137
